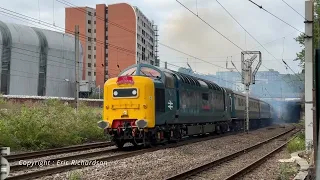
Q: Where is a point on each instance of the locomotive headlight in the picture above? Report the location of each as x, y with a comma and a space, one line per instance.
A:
115, 93
134, 92
103, 124
141, 123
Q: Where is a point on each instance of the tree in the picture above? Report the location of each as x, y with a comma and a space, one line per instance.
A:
300, 39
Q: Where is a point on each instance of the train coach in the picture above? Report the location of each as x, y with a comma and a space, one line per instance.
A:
149, 105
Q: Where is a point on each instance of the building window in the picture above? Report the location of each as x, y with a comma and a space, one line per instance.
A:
89, 38
89, 73
106, 46
89, 21
106, 37
89, 56
94, 64
89, 30
89, 64
94, 56
94, 39
106, 55
94, 47
95, 13
89, 13
89, 47
95, 30
94, 73
94, 22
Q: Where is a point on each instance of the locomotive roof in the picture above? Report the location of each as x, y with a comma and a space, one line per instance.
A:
189, 79
192, 80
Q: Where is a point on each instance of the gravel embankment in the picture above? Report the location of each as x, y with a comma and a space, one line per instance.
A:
272, 169
164, 163
65, 154
227, 169
44, 163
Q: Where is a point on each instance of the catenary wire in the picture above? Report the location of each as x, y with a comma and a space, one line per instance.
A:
254, 37
219, 32
20, 17
275, 16
293, 9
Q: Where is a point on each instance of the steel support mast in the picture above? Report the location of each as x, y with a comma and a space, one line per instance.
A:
248, 77
308, 42
77, 67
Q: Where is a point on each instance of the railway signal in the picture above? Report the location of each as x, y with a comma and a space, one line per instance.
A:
248, 77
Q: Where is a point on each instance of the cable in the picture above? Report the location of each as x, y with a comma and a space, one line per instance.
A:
76, 7
222, 34
57, 27
209, 25
232, 82
191, 55
275, 16
162, 44
254, 37
294, 9
87, 36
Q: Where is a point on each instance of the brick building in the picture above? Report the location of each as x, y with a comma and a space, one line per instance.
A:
113, 37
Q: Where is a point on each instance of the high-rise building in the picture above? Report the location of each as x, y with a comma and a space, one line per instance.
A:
113, 37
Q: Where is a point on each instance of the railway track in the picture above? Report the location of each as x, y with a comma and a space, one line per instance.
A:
24, 172
222, 168
48, 152
99, 156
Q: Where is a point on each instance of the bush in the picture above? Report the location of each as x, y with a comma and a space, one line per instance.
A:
286, 172
297, 144
48, 124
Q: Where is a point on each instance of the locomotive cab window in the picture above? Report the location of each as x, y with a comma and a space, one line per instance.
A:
149, 72
129, 72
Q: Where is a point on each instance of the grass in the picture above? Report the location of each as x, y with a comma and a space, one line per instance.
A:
286, 172
48, 124
297, 144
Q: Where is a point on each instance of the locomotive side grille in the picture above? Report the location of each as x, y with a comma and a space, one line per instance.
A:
160, 100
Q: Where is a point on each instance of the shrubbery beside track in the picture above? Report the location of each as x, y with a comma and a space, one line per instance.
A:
47, 124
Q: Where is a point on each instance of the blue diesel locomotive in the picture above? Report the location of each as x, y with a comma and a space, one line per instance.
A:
173, 105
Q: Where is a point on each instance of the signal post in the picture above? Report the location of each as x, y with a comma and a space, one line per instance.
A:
248, 77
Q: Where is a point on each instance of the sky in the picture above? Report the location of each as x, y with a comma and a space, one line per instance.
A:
182, 30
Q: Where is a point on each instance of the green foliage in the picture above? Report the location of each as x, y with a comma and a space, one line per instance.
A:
297, 144
75, 175
316, 34
286, 172
49, 124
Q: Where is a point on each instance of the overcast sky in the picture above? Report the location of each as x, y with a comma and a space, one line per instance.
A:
182, 30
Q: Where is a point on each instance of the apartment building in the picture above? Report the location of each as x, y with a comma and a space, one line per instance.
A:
113, 37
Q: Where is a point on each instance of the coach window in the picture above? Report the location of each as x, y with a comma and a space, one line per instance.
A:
169, 80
